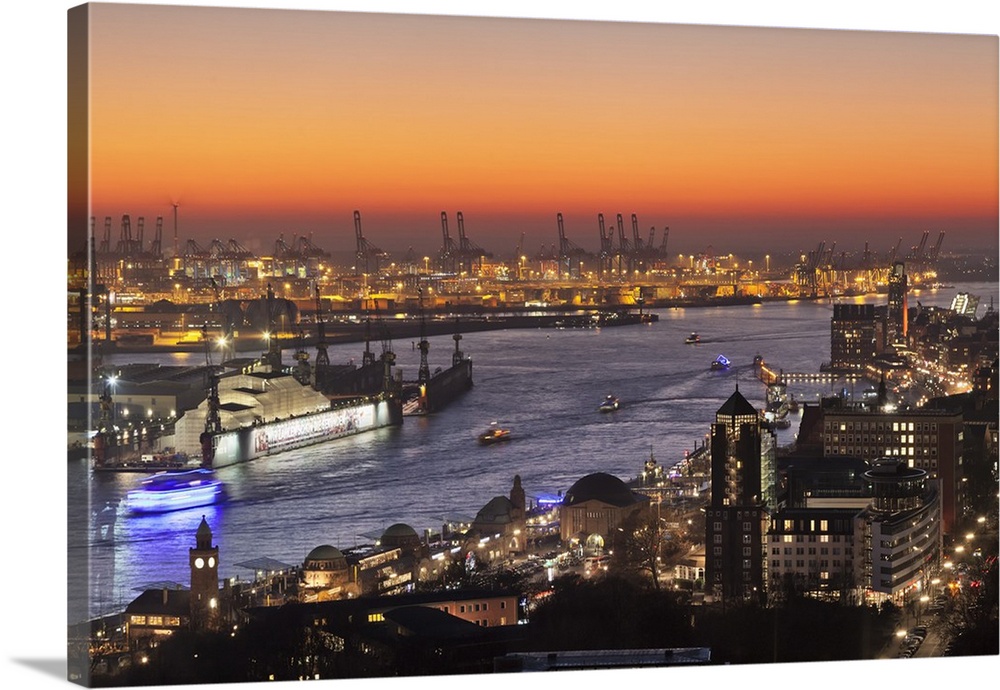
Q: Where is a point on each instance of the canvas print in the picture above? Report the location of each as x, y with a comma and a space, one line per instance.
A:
412, 345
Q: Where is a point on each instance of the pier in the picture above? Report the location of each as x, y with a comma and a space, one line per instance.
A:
769, 375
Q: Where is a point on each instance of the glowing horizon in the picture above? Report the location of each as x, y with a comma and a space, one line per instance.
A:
261, 122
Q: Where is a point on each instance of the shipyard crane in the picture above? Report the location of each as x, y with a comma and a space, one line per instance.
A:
125, 237
106, 241
470, 254
446, 256
139, 240
624, 248
937, 247
322, 357
156, 247
213, 423
892, 253
649, 242
567, 249
637, 245
663, 244
365, 251
917, 252
606, 257
424, 372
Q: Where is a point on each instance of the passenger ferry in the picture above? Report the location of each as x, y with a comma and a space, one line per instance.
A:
609, 404
168, 491
720, 363
494, 434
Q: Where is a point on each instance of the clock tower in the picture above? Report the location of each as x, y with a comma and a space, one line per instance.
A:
204, 562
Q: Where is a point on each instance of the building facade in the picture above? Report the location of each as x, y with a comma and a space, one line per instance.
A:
929, 440
857, 336
900, 532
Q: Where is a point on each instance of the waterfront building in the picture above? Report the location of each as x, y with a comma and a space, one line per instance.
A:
593, 509
498, 530
925, 439
743, 495
325, 575
857, 336
900, 532
897, 303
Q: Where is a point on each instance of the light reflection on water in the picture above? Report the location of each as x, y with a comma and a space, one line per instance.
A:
545, 384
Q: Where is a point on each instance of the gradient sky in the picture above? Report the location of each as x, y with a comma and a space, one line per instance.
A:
261, 122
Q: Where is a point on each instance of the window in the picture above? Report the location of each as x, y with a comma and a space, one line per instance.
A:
824, 526
787, 538
717, 526
477, 607
461, 608
486, 606
716, 550
747, 551
503, 604
717, 538
747, 539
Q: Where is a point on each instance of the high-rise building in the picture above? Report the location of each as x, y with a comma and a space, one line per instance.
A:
743, 486
857, 336
897, 303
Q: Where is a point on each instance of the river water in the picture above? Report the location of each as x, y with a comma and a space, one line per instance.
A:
544, 384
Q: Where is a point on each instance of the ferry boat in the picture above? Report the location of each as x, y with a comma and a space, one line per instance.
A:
693, 339
720, 363
168, 491
494, 434
609, 404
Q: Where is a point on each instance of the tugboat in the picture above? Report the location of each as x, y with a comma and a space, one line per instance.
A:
720, 363
609, 404
494, 434
693, 339
758, 360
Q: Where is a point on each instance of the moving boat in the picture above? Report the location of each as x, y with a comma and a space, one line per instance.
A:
720, 363
167, 491
609, 404
693, 339
494, 434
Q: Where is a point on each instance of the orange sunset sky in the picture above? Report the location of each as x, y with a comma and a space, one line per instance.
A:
261, 122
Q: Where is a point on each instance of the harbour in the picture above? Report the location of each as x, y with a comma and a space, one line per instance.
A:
544, 384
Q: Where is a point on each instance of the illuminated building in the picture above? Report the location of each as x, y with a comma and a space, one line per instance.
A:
593, 509
900, 533
929, 440
743, 485
897, 315
857, 335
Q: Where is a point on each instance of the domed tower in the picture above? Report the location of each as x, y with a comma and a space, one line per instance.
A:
204, 562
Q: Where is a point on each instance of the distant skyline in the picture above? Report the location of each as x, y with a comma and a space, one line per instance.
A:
261, 123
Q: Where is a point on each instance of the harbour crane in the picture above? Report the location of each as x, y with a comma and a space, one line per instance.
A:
663, 244
567, 249
606, 258
446, 257
322, 357
366, 252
